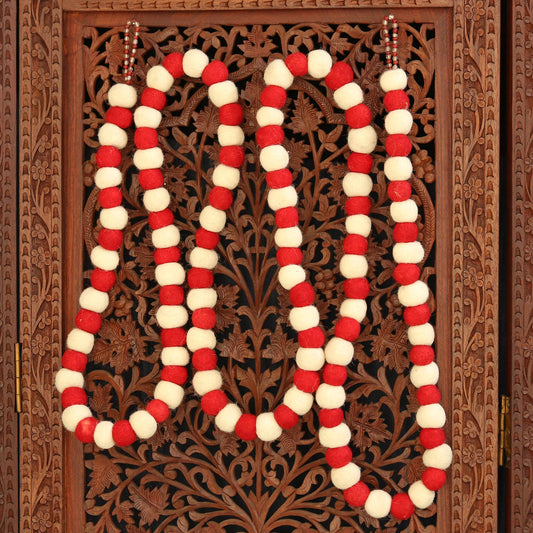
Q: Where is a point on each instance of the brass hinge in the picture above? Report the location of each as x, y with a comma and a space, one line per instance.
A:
18, 378
504, 455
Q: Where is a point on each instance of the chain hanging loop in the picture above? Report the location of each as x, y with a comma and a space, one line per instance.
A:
130, 49
391, 51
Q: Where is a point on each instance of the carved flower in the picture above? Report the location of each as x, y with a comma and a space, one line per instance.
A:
423, 166
472, 367
474, 99
473, 189
473, 278
474, 10
528, 438
470, 430
528, 252
40, 434
471, 73
472, 454
471, 251
476, 342
40, 521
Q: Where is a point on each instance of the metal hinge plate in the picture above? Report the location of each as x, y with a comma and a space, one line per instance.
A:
504, 448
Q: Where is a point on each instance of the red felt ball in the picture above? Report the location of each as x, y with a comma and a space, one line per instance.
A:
269, 135
311, 338
204, 318
297, 63
108, 156
417, 315
434, 478
358, 116
207, 239
123, 433
355, 244
306, 380
215, 72
120, 116
360, 163
396, 100
88, 321
167, 255
339, 75
289, 256
287, 217
230, 114
174, 64
73, 396
330, 418
334, 374
74, 360
405, 232
302, 294
160, 219
338, 457
277, 179
85, 429
153, 98
357, 288
285, 416
432, 437
347, 328
220, 198
406, 273
145, 138
231, 156
273, 96
398, 145
204, 359
200, 278
357, 494
245, 428
399, 191
358, 205
428, 394
213, 402
422, 355
151, 178
159, 410
103, 280
173, 337
171, 295
110, 239
175, 374
110, 197
401, 506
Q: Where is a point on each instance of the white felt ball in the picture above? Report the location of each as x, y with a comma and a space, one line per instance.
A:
330, 396
420, 495
398, 168
300, 402
408, 252
170, 393
393, 80
398, 121
171, 316
107, 177
104, 259
416, 293
103, 435
357, 184
80, 340
440, 457
166, 237
339, 351
378, 503
310, 358
175, 356
335, 437
406, 211
359, 225
200, 338
158, 77
147, 117
280, 198
362, 140
290, 275
269, 116
266, 427
206, 381
194, 62
277, 73
227, 418
424, 335
94, 300
114, 217
319, 63
302, 318
149, 158
224, 176
288, 237
431, 416
143, 423
212, 219
346, 476
354, 308
203, 258
201, 298
230, 135
73, 415
111, 135
353, 266
169, 274
66, 378
156, 199
222, 93
348, 96
274, 157
122, 95
422, 375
